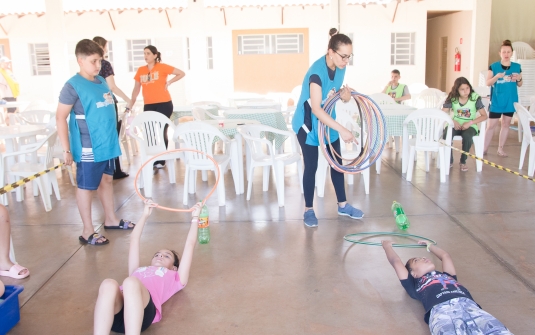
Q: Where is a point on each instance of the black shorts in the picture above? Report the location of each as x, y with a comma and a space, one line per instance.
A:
148, 316
493, 115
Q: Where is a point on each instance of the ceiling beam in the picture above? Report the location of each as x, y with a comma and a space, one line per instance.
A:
168, 20
395, 11
2, 27
224, 15
111, 20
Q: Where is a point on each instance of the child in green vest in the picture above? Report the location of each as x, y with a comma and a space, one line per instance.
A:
398, 92
90, 139
465, 104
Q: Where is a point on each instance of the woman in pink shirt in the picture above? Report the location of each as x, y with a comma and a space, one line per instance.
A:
137, 304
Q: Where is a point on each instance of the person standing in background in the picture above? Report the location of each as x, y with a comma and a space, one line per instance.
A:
106, 72
9, 87
153, 79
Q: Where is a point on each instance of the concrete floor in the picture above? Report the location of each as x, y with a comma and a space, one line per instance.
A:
264, 272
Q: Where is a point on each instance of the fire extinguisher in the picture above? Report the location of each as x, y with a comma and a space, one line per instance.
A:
457, 60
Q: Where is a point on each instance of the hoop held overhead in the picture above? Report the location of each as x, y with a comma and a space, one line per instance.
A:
166, 153
381, 233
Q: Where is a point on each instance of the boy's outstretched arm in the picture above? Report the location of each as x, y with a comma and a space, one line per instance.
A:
191, 240
133, 253
394, 260
447, 262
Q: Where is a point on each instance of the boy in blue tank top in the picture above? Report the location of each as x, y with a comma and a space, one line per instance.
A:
90, 139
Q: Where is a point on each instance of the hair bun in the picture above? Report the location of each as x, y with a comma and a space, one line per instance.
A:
507, 43
333, 31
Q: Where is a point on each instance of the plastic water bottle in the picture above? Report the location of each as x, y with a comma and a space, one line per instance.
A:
401, 219
203, 232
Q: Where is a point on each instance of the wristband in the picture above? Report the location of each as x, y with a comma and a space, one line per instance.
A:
519, 80
127, 109
67, 151
429, 244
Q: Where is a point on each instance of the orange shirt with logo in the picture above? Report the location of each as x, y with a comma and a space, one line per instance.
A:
153, 83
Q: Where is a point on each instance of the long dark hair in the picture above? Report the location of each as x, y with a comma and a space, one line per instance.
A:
454, 94
177, 260
338, 39
100, 41
154, 51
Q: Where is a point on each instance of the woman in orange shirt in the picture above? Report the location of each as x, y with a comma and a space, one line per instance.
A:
153, 79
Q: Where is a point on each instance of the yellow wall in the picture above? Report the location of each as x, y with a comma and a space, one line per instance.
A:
272, 72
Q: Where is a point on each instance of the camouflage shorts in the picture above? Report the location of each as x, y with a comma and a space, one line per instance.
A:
462, 316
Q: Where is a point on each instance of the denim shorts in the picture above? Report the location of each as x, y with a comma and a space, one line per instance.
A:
89, 174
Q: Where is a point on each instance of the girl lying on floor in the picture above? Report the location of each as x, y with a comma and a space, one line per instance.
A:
134, 306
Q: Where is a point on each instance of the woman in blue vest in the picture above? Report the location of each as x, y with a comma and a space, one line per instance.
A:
465, 104
504, 77
324, 78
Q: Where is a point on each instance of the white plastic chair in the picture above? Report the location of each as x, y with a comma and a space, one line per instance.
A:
429, 124
150, 136
382, 99
37, 117
26, 169
431, 98
414, 90
522, 50
483, 91
201, 136
200, 114
288, 114
479, 141
262, 153
124, 139
527, 138
38, 105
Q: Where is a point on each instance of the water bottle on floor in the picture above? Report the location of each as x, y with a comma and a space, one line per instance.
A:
203, 232
401, 219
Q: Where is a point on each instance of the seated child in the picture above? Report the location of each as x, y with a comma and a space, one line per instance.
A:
450, 309
397, 91
137, 304
465, 104
7, 268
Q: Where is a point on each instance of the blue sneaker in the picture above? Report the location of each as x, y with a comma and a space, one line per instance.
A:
310, 219
350, 211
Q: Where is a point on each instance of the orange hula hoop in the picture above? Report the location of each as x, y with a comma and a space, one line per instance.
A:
166, 153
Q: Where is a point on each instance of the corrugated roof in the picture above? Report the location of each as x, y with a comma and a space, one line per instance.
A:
77, 6
368, 2
264, 3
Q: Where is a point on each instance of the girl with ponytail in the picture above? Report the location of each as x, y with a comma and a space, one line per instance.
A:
152, 81
324, 78
504, 78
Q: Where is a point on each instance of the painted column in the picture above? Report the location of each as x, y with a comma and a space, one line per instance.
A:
481, 16
57, 45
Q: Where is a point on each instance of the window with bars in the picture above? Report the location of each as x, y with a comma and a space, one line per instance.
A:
402, 48
135, 53
270, 44
210, 57
40, 59
109, 55
187, 47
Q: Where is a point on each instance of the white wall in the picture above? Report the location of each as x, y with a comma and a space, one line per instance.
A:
454, 26
371, 27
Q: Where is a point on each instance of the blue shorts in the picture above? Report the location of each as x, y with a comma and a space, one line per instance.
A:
89, 174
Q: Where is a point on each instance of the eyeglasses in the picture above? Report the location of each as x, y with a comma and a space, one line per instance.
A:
345, 57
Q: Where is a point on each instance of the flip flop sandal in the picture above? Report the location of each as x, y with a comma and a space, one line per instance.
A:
464, 168
123, 224
93, 239
14, 271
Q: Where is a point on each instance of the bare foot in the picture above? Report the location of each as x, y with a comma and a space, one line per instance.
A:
501, 152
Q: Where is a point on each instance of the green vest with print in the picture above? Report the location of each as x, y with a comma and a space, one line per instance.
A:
397, 92
467, 112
